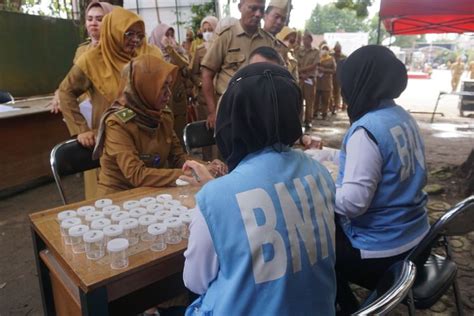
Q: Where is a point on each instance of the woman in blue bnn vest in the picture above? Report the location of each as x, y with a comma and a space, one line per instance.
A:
262, 238
380, 203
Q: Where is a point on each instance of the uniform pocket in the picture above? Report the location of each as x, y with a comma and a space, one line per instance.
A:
234, 60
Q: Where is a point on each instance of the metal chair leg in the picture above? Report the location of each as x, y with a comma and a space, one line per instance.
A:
457, 297
411, 303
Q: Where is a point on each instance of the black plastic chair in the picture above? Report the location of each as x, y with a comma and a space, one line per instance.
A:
196, 135
68, 158
391, 290
435, 273
6, 98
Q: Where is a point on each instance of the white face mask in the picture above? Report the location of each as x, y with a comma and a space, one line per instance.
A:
207, 36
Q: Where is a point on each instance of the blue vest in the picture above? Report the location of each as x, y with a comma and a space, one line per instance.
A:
396, 216
272, 224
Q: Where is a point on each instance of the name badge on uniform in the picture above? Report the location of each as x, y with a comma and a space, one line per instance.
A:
150, 160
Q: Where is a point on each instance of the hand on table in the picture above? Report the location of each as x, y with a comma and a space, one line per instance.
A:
54, 104
195, 173
311, 142
86, 139
217, 168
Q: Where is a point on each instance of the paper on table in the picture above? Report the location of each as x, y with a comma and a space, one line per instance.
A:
86, 110
309, 81
7, 108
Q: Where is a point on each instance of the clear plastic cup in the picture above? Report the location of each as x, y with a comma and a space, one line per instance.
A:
147, 201
137, 212
128, 205
161, 198
65, 214
100, 204
95, 244
171, 204
174, 227
112, 232
76, 233
99, 224
186, 220
65, 225
181, 209
119, 216
84, 210
154, 208
109, 210
143, 222
130, 230
117, 249
158, 231
93, 216
162, 215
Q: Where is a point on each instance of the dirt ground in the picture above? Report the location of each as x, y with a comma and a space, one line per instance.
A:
448, 142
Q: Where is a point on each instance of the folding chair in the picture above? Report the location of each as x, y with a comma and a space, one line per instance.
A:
6, 98
196, 135
435, 273
391, 289
68, 158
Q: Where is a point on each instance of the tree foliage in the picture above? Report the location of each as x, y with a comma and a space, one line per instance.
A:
359, 6
329, 19
200, 11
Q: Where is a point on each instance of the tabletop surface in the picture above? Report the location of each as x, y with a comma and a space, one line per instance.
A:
88, 274
28, 107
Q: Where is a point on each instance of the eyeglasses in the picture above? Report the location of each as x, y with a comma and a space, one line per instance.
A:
131, 35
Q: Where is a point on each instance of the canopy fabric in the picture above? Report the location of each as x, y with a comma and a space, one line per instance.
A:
404, 17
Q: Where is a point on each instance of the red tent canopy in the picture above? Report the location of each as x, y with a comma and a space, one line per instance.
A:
403, 17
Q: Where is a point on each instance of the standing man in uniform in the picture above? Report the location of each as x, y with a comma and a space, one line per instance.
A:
471, 70
308, 59
456, 72
230, 51
339, 57
326, 70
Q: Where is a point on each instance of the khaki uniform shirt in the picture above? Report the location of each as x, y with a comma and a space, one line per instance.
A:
231, 50
289, 57
73, 86
137, 157
457, 69
195, 71
338, 59
326, 69
81, 49
306, 57
471, 69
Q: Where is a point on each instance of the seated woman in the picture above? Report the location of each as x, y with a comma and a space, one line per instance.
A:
379, 198
262, 238
137, 145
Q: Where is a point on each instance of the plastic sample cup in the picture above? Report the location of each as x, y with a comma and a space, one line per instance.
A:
112, 232
128, 205
154, 208
109, 210
99, 224
186, 220
76, 233
94, 243
147, 201
93, 216
100, 204
174, 226
84, 210
65, 214
158, 231
65, 225
117, 249
161, 198
137, 212
171, 204
119, 216
130, 230
143, 222
162, 215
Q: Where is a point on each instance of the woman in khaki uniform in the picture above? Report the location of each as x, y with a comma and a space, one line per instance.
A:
137, 145
326, 69
98, 72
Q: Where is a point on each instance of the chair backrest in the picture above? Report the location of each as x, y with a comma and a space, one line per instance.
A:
459, 220
197, 135
70, 157
6, 97
391, 289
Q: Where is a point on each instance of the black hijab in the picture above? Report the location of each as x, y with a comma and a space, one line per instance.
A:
260, 108
370, 74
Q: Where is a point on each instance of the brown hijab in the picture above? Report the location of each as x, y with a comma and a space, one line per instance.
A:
104, 63
145, 77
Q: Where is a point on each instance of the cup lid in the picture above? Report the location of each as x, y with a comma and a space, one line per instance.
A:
137, 212
66, 214
117, 244
78, 230
146, 220
111, 209
94, 215
162, 215
113, 230
129, 223
185, 218
100, 223
171, 204
164, 197
103, 203
93, 236
179, 208
69, 222
172, 222
83, 210
128, 205
157, 229
120, 215
155, 207
147, 201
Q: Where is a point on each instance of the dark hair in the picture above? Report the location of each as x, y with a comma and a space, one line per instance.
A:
268, 53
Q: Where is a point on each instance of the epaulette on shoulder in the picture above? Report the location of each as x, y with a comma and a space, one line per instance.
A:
225, 30
125, 115
87, 42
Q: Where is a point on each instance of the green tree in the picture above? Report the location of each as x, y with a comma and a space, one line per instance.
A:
359, 6
373, 24
328, 19
200, 11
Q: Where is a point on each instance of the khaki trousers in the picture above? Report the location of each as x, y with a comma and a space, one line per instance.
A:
309, 91
321, 103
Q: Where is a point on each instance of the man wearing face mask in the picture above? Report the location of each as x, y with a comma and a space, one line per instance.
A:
326, 69
230, 51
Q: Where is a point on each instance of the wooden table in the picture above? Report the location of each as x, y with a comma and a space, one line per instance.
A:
73, 285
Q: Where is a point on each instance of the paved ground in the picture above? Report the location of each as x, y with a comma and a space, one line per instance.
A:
448, 143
